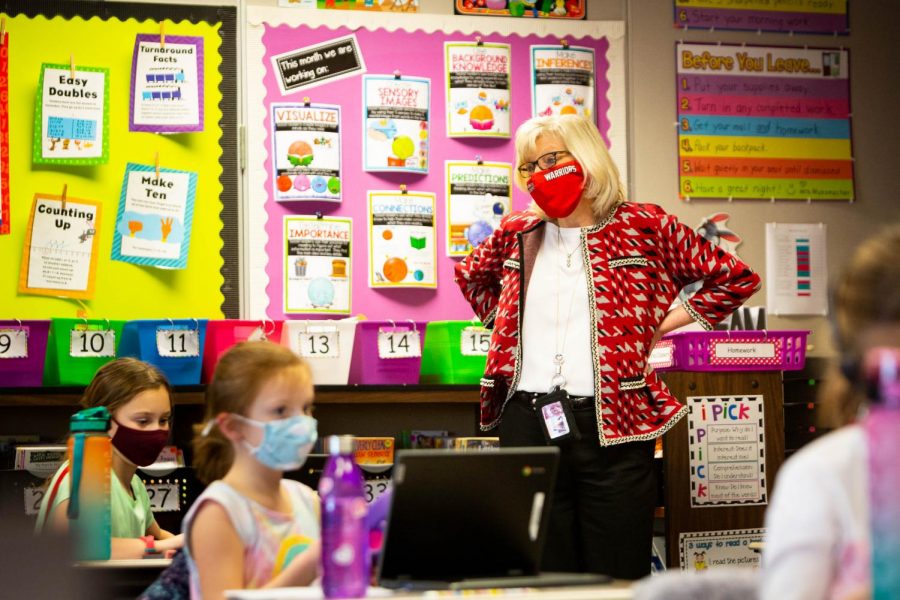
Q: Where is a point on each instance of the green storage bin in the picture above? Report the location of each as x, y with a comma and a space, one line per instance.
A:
443, 357
64, 368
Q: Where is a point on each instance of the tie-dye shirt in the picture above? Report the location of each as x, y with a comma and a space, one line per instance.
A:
271, 539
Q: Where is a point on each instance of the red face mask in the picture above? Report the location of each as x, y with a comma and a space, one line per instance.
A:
139, 446
558, 189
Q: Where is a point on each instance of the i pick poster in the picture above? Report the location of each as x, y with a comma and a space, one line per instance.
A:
479, 194
317, 265
478, 89
153, 227
71, 116
562, 81
396, 126
306, 152
166, 84
402, 250
60, 254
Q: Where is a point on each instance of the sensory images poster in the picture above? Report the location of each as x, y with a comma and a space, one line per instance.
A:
317, 265
396, 132
306, 152
479, 195
402, 250
478, 89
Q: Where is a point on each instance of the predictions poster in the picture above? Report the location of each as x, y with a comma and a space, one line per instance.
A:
764, 122
479, 194
562, 81
402, 250
306, 152
726, 441
317, 265
396, 128
478, 89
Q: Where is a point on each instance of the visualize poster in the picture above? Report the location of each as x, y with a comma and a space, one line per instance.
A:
478, 89
317, 265
402, 252
795, 16
726, 442
562, 81
570, 9
71, 115
60, 255
396, 126
796, 269
306, 152
4, 134
479, 194
702, 550
156, 210
166, 84
764, 122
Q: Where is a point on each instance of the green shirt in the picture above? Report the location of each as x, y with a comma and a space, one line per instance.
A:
131, 517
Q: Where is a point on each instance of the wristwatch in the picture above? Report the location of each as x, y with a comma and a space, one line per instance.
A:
150, 545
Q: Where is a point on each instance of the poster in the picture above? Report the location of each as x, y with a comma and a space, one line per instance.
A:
71, 115
306, 152
702, 550
166, 84
317, 64
60, 254
570, 9
396, 127
156, 210
479, 194
402, 252
562, 81
478, 89
4, 134
794, 16
317, 265
796, 269
726, 443
369, 5
764, 122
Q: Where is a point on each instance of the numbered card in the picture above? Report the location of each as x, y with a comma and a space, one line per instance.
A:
34, 494
399, 344
164, 496
320, 343
13, 343
476, 341
376, 487
92, 343
177, 343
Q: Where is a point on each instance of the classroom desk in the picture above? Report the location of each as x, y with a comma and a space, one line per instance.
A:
613, 591
114, 579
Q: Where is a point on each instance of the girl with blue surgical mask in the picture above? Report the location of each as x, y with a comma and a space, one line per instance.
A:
251, 528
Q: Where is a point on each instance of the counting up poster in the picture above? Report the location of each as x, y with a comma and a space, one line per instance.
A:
764, 122
800, 16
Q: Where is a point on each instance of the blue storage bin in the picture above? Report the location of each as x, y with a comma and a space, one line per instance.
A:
139, 340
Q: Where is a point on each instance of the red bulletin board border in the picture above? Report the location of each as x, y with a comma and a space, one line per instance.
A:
4, 133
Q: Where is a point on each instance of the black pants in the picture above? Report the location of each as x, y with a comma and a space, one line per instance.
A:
601, 519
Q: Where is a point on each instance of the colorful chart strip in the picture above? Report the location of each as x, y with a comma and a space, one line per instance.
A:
804, 284
764, 122
801, 16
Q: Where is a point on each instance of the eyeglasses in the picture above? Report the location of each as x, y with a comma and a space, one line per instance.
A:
545, 161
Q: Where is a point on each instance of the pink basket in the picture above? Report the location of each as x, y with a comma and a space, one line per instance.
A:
27, 371
730, 351
222, 335
368, 368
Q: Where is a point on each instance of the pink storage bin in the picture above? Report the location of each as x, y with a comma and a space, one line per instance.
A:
222, 335
27, 371
730, 351
368, 368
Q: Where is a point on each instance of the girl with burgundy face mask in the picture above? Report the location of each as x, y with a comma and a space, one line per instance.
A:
578, 288
138, 397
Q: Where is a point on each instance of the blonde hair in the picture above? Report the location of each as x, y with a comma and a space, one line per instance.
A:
240, 373
117, 382
580, 137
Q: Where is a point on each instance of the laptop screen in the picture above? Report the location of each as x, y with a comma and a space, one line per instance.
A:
465, 515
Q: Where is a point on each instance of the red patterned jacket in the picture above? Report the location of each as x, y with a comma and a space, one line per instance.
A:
639, 258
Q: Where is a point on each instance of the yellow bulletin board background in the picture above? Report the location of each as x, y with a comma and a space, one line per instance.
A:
123, 290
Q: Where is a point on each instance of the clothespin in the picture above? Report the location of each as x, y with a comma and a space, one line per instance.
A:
402, 188
2, 30
306, 101
478, 159
564, 43
478, 41
72, 65
162, 34
63, 197
397, 74
156, 162
319, 216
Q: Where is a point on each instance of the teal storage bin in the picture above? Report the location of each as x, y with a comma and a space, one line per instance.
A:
65, 367
179, 361
456, 352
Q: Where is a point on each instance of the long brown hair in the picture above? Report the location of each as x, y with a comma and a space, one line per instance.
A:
118, 381
867, 295
240, 373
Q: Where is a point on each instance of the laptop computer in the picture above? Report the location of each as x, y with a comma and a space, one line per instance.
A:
467, 520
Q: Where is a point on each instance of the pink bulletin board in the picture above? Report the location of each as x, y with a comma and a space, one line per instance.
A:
414, 53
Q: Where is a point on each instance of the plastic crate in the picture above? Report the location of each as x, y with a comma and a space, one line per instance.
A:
329, 351
731, 351
448, 359
26, 371
139, 339
368, 367
61, 366
222, 335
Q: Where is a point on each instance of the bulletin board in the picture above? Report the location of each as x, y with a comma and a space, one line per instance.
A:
411, 46
102, 34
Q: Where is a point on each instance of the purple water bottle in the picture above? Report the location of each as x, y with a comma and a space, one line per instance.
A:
345, 536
